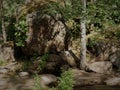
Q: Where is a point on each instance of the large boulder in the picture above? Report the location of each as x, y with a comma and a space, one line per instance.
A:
45, 34
104, 67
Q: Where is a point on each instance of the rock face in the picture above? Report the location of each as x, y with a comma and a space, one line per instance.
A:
48, 34
67, 57
115, 59
45, 35
102, 49
7, 52
104, 67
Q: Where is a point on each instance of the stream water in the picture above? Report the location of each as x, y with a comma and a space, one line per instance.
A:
8, 82
98, 87
17, 83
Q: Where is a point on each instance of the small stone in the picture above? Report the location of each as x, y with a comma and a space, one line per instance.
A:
23, 74
4, 71
47, 79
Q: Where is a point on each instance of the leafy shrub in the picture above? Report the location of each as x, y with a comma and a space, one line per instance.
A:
20, 33
43, 61
66, 81
2, 62
25, 66
37, 85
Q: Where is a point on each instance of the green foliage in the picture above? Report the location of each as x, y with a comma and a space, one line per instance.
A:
74, 28
43, 61
103, 11
53, 88
2, 62
35, 56
20, 33
8, 12
37, 84
10, 29
25, 65
70, 11
10, 6
103, 18
66, 81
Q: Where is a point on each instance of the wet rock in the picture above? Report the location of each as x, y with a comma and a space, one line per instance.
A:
113, 81
24, 74
104, 67
47, 79
4, 71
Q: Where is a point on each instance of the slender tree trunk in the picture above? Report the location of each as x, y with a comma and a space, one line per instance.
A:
2, 21
4, 31
83, 36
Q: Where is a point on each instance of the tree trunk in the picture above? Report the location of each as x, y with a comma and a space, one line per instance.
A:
4, 31
83, 36
3, 23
